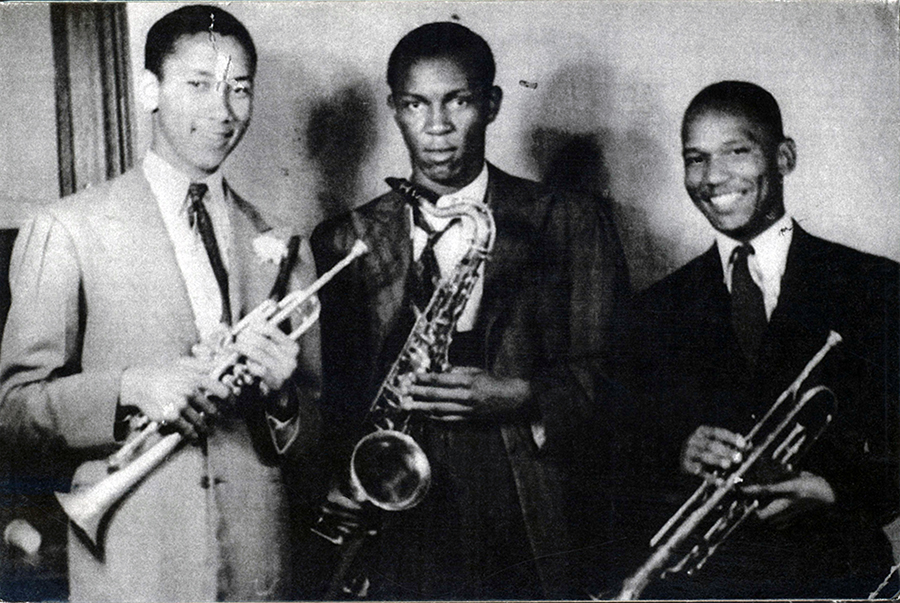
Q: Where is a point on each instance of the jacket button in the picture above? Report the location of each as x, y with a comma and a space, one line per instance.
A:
204, 481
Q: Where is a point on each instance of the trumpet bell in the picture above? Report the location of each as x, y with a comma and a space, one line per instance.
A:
84, 511
390, 470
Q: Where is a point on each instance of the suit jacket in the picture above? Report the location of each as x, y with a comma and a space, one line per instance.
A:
552, 288
689, 363
96, 289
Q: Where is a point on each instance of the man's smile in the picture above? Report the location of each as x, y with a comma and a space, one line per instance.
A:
724, 201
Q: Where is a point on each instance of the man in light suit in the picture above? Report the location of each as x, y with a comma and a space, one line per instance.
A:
718, 341
114, 288
502, 429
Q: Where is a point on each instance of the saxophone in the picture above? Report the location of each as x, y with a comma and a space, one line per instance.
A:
387, 467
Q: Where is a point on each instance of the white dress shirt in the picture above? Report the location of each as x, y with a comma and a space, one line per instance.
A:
766, 264
455, 243
170, 188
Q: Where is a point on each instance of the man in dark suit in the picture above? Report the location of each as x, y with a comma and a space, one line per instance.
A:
717, 341
113, 290
502, 428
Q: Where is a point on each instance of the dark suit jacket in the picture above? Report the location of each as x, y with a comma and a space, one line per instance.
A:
687, 359
552, 285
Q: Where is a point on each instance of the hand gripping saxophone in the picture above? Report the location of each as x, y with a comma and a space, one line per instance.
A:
387, 467
718, 507
87, 507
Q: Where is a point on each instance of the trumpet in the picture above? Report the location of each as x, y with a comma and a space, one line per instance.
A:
882, 592
87, 507
718, 507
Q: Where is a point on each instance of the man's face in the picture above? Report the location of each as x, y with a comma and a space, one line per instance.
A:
733, 172
203, 102
443, 118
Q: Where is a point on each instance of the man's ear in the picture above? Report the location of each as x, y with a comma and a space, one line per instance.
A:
494, 100
787, 156
148, 91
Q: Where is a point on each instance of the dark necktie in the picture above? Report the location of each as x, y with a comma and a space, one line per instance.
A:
199, 217
426, 271
748, 310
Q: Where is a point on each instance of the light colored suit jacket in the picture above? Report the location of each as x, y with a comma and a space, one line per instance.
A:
96, 289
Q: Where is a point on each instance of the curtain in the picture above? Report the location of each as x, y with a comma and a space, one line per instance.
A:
93, 104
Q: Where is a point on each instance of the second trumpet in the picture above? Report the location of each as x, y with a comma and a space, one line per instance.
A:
718, 507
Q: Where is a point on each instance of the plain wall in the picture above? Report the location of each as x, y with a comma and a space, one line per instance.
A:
610, 78
28, 161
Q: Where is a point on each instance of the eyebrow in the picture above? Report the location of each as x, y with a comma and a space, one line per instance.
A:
452, 94
208, 73
729, 142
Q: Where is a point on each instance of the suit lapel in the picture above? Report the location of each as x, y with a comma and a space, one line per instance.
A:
506, 266
385, 226
798, 326
142, 244
253, 272
385, 269
495, 265
797, 301
716, 345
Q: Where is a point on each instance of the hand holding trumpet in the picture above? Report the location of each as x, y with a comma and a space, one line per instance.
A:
711, 449
182, 394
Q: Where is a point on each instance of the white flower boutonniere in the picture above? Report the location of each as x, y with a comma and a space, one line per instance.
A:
269, 248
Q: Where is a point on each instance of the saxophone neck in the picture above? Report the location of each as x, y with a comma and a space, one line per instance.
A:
476, 212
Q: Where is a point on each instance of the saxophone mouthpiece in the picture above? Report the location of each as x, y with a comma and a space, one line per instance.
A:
412, 191
359, 248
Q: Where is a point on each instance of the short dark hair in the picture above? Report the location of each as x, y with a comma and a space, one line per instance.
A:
443, 40
743, 98
190, 20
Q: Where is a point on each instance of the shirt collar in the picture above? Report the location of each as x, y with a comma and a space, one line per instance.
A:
170, 186
474, 192
770, 250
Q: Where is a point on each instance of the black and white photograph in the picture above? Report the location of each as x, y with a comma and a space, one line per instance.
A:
465, 300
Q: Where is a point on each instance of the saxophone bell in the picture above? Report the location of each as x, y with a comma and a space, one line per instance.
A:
390, 470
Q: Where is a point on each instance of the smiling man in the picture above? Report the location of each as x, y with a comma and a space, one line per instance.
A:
721, 338
501, 428
116, 294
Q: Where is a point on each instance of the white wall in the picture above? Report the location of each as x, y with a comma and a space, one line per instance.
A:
617, 73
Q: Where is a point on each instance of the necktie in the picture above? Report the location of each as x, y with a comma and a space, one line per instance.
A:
199, 217
426, 271
748, 310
